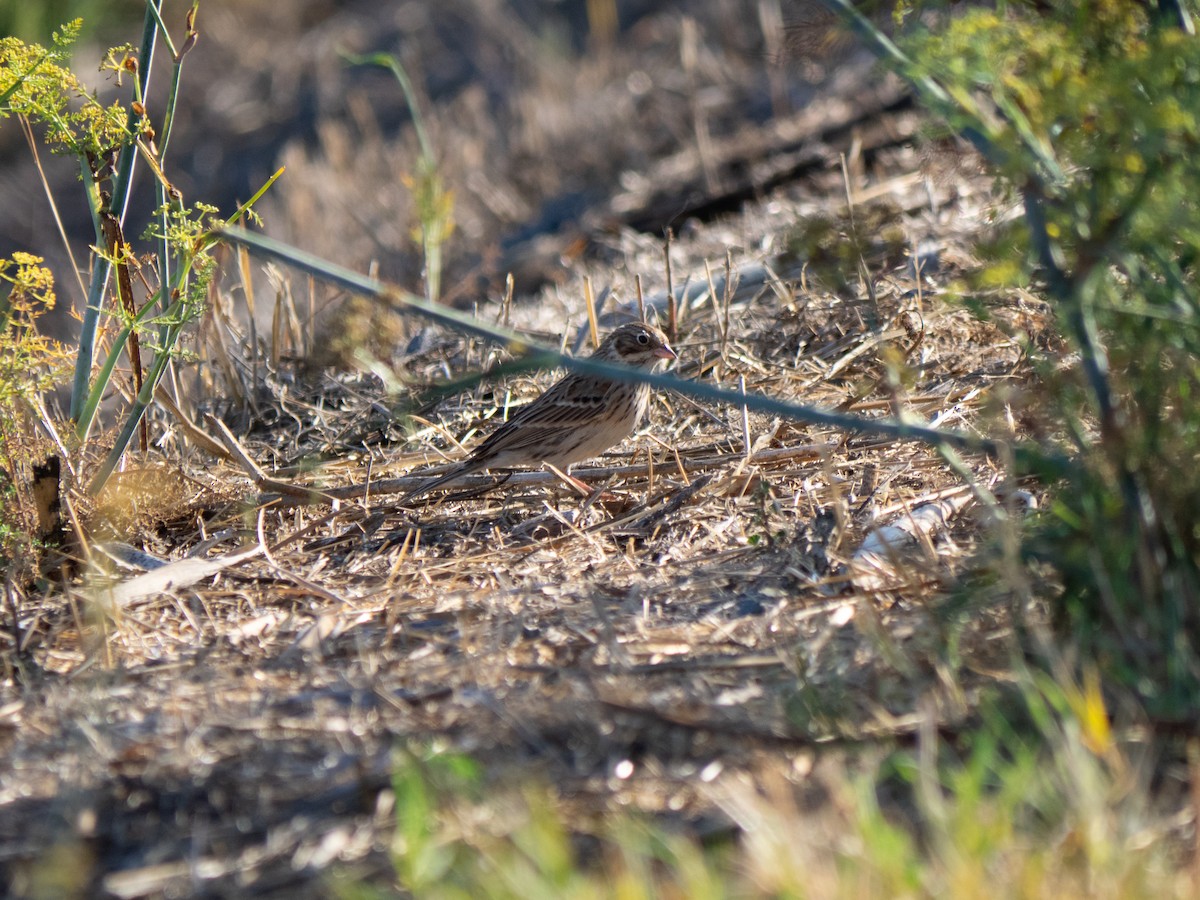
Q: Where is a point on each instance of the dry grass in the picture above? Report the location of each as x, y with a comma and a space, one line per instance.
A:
207, 695
236, 727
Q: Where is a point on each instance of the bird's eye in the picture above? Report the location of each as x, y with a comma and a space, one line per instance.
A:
643, 338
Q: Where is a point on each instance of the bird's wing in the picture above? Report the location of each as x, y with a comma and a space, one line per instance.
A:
560, 411
570, 402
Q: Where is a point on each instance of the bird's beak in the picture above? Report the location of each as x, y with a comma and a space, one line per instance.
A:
665, 352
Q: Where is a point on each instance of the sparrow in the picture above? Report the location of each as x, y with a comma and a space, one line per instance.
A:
578, 417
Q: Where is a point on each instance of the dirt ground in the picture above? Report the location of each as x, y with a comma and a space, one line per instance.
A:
231, 730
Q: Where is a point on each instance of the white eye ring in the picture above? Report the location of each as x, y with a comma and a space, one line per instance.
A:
643, 338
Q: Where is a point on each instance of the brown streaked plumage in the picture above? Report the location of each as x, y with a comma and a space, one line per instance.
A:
577, 418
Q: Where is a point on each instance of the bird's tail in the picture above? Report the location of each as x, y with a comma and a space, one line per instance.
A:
453, 475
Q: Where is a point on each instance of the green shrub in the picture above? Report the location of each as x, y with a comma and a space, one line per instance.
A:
37, 86
1090, 115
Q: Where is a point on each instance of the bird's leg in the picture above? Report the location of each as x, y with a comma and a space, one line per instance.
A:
602, 496
581, 487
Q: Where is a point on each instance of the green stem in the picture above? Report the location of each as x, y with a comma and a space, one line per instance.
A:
92, 401
168, 337
119, 203
140, 404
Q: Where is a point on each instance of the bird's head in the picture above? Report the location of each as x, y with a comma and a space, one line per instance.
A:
636, 344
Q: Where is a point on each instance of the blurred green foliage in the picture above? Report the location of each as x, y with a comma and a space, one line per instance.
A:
1090, 115
1049, 805
33, 21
